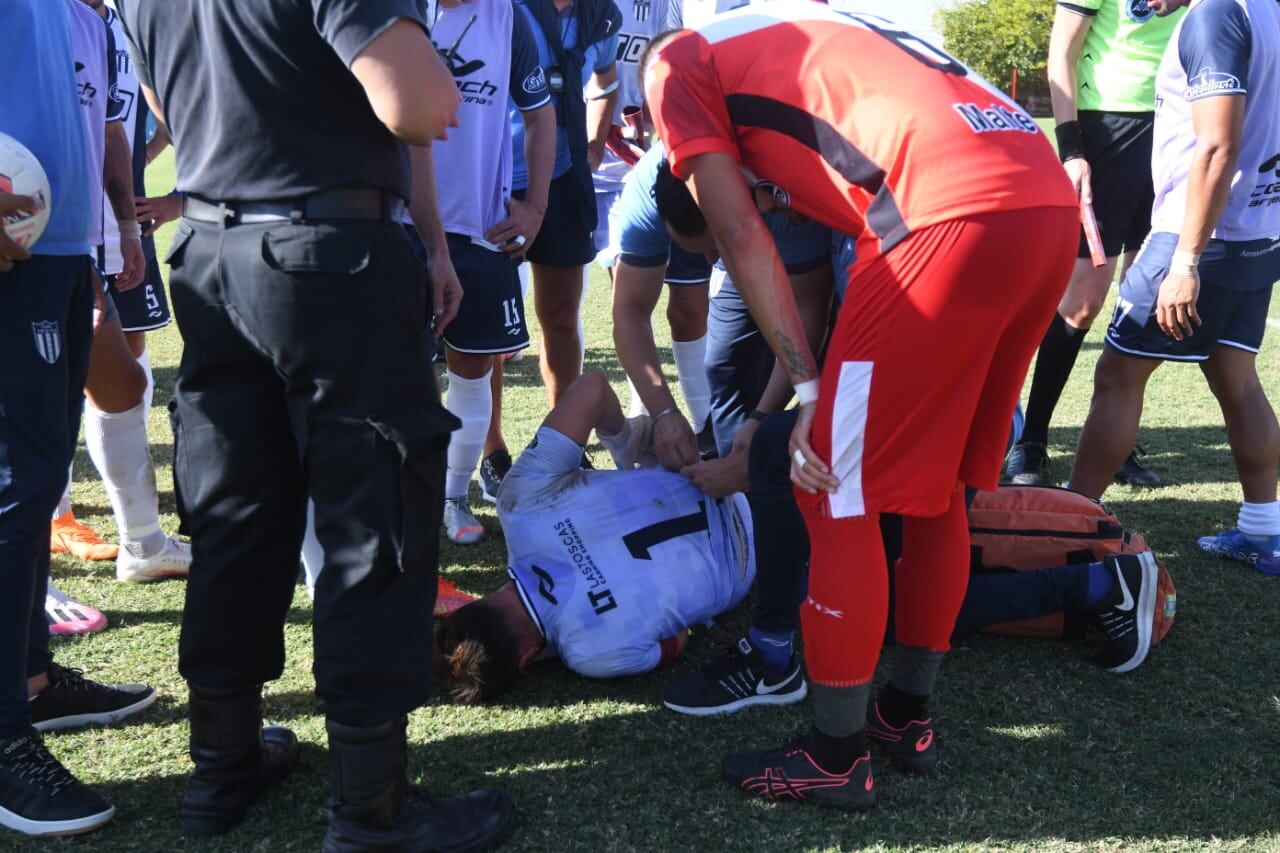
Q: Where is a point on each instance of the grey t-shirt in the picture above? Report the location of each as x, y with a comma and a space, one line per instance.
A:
259, 96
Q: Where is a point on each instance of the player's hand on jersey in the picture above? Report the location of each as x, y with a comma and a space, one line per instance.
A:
135, 264
9, 250
675, 442
1081, 175
719, 478
814, 475
446, 291
158, 210
1176, 305
523, 221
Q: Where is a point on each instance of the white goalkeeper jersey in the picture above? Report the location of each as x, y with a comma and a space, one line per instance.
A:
610, 563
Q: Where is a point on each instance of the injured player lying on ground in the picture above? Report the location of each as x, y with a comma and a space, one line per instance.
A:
608, 569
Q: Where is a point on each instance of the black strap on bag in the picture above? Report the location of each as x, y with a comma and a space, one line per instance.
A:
597, 20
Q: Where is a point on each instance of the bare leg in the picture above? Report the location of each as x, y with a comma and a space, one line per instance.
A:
494, 440
1252, 430
1119, 383
557, 296
116, 381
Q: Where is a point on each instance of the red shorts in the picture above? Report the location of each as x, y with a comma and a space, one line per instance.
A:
929, 355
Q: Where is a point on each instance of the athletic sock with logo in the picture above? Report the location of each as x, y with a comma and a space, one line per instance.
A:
1259, 522
1099, 583
690, 358
839, 715
472, 402
774, 647
1054, 362
117, 443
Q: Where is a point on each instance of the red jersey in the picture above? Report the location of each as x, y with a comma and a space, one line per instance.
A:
857, 122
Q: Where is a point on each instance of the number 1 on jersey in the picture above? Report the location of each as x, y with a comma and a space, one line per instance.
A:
639, 542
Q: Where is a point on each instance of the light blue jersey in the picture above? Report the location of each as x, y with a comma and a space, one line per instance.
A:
41, 110
600, 57
610, 563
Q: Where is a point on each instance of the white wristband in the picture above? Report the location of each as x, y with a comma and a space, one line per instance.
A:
130, 230
595, 94
1185, 263
807, 392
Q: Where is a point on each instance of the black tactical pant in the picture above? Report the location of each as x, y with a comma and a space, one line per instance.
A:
305, 374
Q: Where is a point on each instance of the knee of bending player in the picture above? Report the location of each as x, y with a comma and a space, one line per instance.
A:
477, 656
687, 313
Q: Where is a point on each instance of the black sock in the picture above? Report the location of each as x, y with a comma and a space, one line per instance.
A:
836, 754
898, 707
1056, 358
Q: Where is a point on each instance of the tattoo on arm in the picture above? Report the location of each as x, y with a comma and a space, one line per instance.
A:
798, 364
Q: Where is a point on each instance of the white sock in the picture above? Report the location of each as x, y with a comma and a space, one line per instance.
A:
118, 446
636, 407
691, 368
149, 394
1259, 521
64, 502
312, 553
472, 402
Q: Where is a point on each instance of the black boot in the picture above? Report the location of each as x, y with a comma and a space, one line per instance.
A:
375, 809
236, 758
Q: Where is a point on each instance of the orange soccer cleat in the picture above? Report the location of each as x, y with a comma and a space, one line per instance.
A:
69, 536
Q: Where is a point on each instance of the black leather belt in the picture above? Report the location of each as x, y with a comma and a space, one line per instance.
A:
362, 204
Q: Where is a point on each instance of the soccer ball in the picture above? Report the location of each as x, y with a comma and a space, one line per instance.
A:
22, 174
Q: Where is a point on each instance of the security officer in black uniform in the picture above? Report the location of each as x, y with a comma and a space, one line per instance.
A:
305, 375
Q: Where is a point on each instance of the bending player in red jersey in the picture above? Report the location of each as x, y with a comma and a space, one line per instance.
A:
966, 236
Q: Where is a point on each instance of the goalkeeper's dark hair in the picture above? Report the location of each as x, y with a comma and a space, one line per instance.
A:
477, 657
675, 203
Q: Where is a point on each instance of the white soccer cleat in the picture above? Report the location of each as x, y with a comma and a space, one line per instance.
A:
460, 524
172, 561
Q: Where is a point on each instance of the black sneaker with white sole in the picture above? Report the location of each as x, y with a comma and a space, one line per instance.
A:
493, 468
736, 680
38, 796
71, 701
1127, 617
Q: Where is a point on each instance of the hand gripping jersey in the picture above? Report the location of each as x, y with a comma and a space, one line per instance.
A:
865, 127
610, 563
1116, 71
1222, 48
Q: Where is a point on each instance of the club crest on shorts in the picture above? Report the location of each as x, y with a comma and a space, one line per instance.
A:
48, 340
1139, 11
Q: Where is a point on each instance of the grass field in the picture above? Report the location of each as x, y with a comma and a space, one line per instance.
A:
1040, 749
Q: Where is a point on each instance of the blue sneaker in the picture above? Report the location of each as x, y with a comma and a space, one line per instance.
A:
1234, 545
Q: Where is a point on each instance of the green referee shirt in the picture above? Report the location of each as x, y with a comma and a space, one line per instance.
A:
1117, 68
